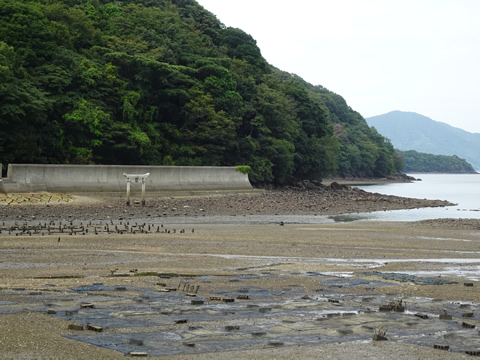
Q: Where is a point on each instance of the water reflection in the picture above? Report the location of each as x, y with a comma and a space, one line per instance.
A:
461, 189
348, 217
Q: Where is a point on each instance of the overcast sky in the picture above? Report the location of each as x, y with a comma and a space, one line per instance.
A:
380, 55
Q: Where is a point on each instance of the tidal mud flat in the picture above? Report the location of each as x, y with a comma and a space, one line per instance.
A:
215, 291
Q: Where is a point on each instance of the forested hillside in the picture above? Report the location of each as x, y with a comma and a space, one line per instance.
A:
165, 83
421, 162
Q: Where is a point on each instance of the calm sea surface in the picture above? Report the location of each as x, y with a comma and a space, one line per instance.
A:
464, 190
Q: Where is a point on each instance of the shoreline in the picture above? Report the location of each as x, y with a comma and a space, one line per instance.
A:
353, 181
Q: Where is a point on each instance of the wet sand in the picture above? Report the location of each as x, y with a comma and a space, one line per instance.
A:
36, 268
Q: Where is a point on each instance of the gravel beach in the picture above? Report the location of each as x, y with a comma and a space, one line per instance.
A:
58, 256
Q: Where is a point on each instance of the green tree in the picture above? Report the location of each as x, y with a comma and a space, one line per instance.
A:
83, 131
24, 130
164, 82
210, 131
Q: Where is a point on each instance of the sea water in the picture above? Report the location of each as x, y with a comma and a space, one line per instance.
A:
461, 189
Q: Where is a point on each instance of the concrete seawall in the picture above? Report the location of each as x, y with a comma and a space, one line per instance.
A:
23, 178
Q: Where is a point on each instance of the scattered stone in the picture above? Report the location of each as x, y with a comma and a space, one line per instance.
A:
445, 316
441, 347
421, 316
380, 334
137, 353
232, 327
275, 343
259, 333
136, 342
76, 327
473, 352
94, 328
394, 305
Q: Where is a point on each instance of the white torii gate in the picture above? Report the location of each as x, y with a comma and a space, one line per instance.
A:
135, 178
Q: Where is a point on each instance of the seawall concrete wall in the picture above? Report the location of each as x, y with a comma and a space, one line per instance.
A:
109, 178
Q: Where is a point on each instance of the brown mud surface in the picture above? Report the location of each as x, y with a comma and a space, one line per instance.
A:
292, 285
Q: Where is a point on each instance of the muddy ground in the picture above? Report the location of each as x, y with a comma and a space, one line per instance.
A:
299, 291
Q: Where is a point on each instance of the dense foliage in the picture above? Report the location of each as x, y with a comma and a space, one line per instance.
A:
163, 82
421, 162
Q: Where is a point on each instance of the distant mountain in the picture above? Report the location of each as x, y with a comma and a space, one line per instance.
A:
412, 131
